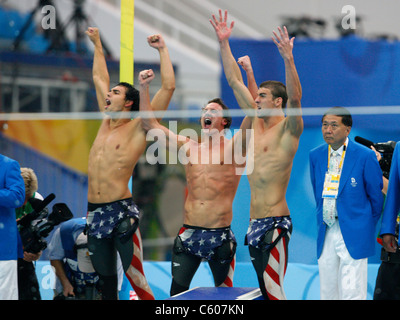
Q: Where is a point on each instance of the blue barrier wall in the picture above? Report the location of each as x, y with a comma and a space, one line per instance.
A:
349, 72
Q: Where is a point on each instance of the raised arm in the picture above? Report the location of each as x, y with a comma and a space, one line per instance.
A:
101, 78
149, 122
293, 86
245, 62
241, 138
163, 96
231, 68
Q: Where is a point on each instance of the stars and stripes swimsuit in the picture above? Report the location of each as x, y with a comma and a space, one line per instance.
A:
104, 219
109, 229
268, 240
204, 242
194, 244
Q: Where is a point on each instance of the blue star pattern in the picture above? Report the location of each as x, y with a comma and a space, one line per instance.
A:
80, 279
204, 242
259, 227
103, 220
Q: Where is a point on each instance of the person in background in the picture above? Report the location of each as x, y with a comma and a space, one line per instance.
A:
68, 254
388, 278
28, 285
347, 184
12, 196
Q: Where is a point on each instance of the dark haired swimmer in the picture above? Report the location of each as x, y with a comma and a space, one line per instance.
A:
276, 139
112, 215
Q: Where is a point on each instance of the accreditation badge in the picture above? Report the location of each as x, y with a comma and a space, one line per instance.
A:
331, 186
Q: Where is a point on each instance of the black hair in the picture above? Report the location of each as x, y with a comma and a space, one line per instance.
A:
278, 90
131, 94
345, 114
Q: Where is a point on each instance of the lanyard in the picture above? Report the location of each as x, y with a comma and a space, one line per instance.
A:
341, 160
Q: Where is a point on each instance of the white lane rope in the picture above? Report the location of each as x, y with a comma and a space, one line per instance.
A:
186, 114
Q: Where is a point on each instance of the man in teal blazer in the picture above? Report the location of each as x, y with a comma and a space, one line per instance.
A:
344, 243
12, 195
392, 205
388, 278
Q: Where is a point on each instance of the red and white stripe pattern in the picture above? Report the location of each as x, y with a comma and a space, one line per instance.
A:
135, 273
276, 268
228, 282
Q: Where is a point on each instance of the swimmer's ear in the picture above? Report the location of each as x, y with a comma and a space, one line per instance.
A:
128, 104
278, 102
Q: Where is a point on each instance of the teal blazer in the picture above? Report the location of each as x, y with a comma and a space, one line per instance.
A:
12, 196
360, 199
392, 204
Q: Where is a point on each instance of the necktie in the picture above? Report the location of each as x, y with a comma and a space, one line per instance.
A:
334, 163
329, 204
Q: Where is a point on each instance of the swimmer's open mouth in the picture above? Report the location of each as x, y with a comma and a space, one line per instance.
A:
207, 123
108, 102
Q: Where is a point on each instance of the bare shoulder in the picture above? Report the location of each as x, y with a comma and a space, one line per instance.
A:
291, 135
190, 146
136, 130
294, 125
129, 131
136, 124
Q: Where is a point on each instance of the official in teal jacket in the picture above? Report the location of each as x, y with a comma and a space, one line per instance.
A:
357, 208
359, 202
392, 205
12, 195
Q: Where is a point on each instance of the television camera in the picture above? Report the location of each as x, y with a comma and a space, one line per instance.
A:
385, 149
37, 225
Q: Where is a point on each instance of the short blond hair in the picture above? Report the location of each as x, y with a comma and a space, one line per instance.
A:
31, 181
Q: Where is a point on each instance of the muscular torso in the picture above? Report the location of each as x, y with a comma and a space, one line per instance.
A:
211, 187
112, 159
273, 150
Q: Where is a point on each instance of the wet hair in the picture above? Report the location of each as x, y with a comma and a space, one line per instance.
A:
131, 94
30, 180
278, 90
227, 117
345, 114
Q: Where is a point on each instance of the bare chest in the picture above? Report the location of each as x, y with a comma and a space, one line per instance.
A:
264, 145
212, 167
117, 145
